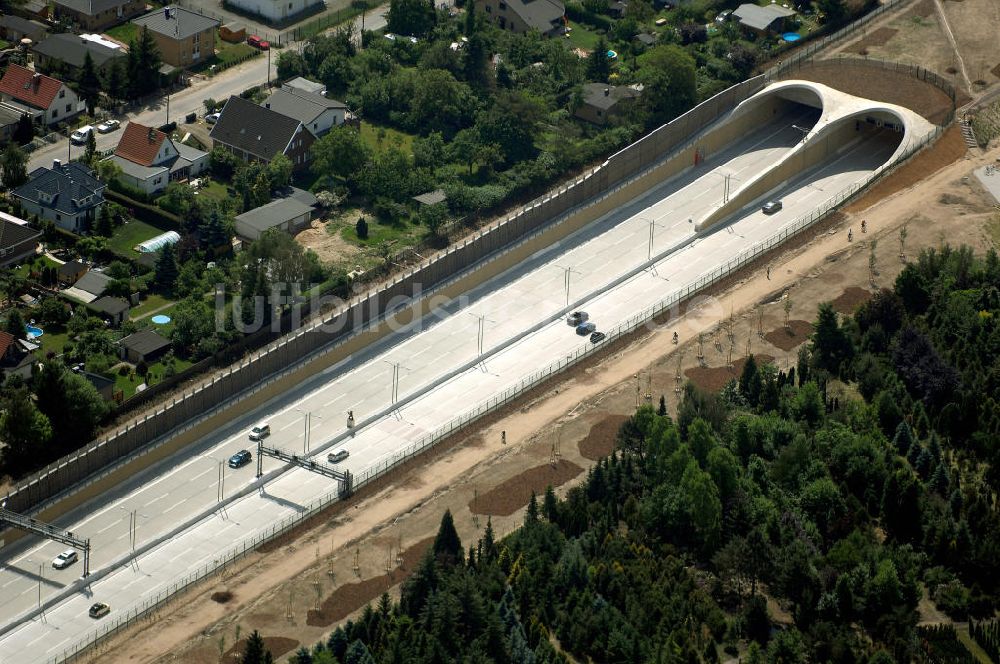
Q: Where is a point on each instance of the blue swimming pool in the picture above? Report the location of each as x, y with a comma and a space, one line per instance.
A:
791, 36
33, 332
160, 319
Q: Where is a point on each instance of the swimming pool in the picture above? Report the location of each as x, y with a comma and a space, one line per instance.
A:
791, 36
33, 332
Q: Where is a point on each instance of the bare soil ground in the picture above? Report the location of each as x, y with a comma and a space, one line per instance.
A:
600, 440
872, 39
715, 378
512, 495
976, 25
791, 336
330, 247
274, 592
278, 645
850, 299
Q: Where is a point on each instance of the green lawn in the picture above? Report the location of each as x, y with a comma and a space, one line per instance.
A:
125, 32
370, 134
130, 234
582, 37
129, 382
152, 301
24, 270
53, 339
400, 234
226, 54
214, 189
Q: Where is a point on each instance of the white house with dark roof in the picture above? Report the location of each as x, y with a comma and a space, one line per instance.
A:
317, 113
97, 14
256, 133
18, 240
67, 194
275, 11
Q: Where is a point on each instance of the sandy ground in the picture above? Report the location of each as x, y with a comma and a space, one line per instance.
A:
355, 551
330, 247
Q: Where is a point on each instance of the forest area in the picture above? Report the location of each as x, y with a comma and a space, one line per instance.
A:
769, 522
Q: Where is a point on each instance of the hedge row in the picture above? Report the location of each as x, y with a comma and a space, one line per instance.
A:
151, 214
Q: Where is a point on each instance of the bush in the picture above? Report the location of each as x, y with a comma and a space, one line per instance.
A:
361, 228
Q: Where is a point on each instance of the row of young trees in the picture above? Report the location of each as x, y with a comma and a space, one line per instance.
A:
131, 77
672, 547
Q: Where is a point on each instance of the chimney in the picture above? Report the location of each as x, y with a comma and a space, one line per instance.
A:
267, 104
607, 92
56, 164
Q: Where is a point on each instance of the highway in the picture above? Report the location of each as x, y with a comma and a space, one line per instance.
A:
441, 374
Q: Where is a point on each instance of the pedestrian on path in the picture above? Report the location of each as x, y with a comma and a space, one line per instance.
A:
850, 235
768, 272
864, 225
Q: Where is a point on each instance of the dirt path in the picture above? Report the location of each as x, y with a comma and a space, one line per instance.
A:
354, 543
946, 28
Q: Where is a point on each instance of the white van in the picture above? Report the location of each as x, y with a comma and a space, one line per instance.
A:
260, 432
80, 135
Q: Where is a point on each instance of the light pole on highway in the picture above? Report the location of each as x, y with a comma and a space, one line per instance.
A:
395, 379
567, 271
649, 250
222, 481
804, 130
308, 429
41, 572
482, 331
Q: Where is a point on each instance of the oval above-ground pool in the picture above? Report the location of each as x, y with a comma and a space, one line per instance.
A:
612, 55
791, 36
33, 332
160, 319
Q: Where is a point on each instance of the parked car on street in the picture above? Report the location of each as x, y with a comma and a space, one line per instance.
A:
257, 42
577, 318
212, 118
260, 431
585, 329
99, 610
65, 559
240, 459
108, 126
79, 137
597, 337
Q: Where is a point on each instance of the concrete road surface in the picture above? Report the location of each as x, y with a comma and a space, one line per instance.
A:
441, 374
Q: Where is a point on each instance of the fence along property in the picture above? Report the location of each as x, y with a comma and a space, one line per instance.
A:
672, 301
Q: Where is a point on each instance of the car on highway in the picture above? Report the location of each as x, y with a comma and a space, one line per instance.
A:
337, 455
257, 42
240, 459
212, 118
585, 328
64, 559
260, 432
597, 337
80, 135
577, 318
108, 126
771, 207
99, 610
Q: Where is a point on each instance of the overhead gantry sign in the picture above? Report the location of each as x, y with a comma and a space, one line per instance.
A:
49, 532
342, 476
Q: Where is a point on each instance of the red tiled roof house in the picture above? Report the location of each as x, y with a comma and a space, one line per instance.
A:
47, 100
150, 160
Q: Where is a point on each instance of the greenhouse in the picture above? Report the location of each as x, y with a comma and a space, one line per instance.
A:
155, 244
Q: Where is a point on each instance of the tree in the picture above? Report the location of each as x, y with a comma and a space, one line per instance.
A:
252, 182
598, 63
411, 17
15, 167
433, 217
24, 430
279, 171
24, 131
341, 153
89, 83
193, 321
143, 66
834, 11
290, 64
253, 652
166, 268
105, 223
14, 325
831, 347
668, 74
90, 151
212, 233
361, 228
71, 403
107, 171
447, 545
115, 81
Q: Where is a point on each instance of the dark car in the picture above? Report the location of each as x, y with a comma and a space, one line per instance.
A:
99, 610
771, 207
577, 318
240, 459
597, 337
585, 328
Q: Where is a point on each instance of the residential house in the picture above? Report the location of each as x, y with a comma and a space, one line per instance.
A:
522, 16
97, 14
65, 54
761, 21
143, 346
276, 11
184, 37
286, 214
89, 287
70, 272
112, 309
14, 355
255, 133
150, 159
67, 194
18, 240
45, 99
602, 102
14, 29
317, 113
